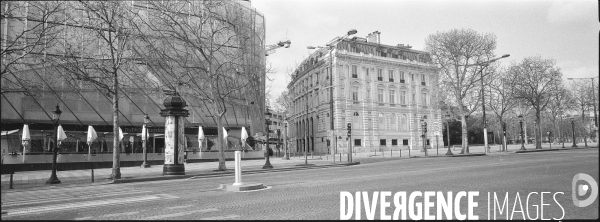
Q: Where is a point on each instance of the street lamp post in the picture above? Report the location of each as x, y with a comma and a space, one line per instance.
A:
561, 133
550, 142
268, 162
55, 118
522, 136
485, 65
573, 128
448, 133
144, 139
285, 138
331, 46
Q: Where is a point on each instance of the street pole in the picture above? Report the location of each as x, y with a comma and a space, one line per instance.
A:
268, 162
55, 118
285, 136
595, 117
573, 128
522, 136
144, 143
448, 133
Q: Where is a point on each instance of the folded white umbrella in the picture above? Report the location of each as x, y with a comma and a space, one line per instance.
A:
120, 134
91, 135
144, 133
60, 135
200, 137
244, 136
224, 133
25, 139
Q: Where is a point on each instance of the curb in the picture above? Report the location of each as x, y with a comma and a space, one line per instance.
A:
227, 173
557, 149
454, 155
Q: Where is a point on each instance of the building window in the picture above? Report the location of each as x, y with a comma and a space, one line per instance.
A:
423, 80
354, 72
380, 74
414, 97
394, 142
412, 77
381, 121
394, 124
424, 99
402, 97
382, 142
355, 93
391, 75
380, 95
392, 97
368, 94
405, 142
366, 71
404, 123
401, 77
357, 142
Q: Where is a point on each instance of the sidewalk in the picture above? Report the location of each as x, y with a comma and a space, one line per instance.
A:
37, 179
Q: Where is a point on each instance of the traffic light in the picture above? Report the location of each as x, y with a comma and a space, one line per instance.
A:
425, 127
504, 128
349, 129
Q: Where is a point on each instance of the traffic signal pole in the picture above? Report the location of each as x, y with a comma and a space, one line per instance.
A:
349, 142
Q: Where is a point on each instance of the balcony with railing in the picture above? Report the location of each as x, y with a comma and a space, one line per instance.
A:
380, 78
391, 80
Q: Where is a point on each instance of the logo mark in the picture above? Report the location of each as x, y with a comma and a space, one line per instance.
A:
582, 190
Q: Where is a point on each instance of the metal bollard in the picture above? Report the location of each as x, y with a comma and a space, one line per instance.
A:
340, 157
11, 181
92, 175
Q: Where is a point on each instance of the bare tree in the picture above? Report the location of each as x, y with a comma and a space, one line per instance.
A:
582, 102
502, 99
28, 29
536, 81
557, 107
100, 54
457, 52
204, 47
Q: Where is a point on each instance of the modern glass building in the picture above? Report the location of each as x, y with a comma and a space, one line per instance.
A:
64, 53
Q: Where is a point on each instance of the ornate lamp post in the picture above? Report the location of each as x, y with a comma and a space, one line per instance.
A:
522, 136
55, 118
144, 139
267, 122
448, 133
573, 128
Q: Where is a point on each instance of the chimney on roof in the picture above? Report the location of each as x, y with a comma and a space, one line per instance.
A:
374, 37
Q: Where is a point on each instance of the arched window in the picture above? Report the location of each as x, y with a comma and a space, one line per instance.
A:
394, 124
356, 122
404, 123
381, 122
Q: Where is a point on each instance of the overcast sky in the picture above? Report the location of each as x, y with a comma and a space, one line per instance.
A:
566, 31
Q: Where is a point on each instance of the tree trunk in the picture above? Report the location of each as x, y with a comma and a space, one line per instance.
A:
220, 143
465, 136
116, 170
583, 127
538, 129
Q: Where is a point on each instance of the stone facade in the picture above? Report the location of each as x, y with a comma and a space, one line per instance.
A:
382, 90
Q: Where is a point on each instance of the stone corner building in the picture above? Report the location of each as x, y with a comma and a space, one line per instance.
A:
383, 91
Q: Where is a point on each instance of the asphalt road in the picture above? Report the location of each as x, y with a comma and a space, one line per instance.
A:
315, 193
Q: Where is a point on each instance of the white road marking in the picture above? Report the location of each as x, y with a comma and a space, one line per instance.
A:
181, 214
176, 207
231, 216
108, 215
79, 205
59, 197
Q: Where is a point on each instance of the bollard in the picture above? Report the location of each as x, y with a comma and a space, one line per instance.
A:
312, 156
238, 169
375, 152
92, 175
340, 158
11, 181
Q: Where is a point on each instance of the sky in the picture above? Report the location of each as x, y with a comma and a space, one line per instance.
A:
566, 31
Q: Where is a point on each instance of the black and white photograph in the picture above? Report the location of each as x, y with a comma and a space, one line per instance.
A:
300, 110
